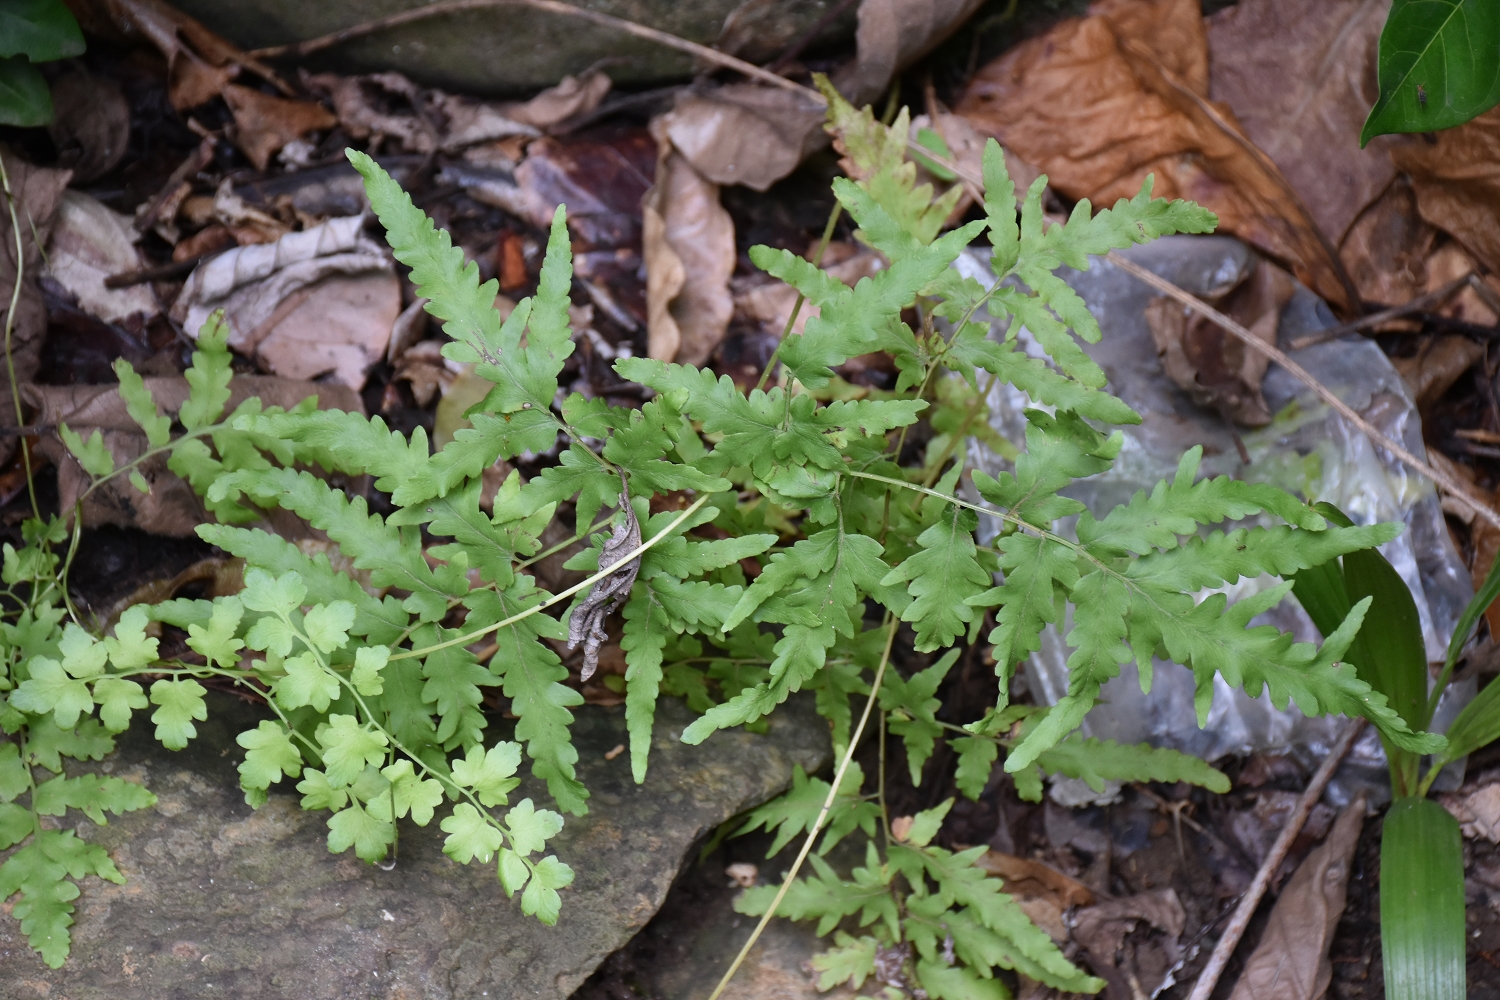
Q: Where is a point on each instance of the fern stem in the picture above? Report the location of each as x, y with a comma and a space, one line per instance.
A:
465, 639
10, 326
817, 261
812, 834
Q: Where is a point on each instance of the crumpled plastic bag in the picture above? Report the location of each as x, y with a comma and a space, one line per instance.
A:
1306, 449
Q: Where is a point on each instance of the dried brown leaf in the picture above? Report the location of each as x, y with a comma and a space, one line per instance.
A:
574, 95
264, 123
1291, 961
1300, 78
1218, 370
586, 624
1025, 877
688, 245
892, 35
1457, 180
90, 124
171, 508
1386, 248
1437, 364
1097, 112
1101, 930
1478, 812
745, 133
89, 242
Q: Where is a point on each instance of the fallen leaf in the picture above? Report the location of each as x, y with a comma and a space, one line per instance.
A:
248, 224
688, 244
314, 302
744, 133
90, 242
1437, 364
264, 123
1449, 263
572, 96
467, 122
1299, 76
90, 124
171, 508
1096, 111
379, 105
215, 576
199, 62
1101, 930
893, 34
1457, 180
1025, 877
209, 239
35, 192
1217, 369
1478, 812
1386, 248
1291, 960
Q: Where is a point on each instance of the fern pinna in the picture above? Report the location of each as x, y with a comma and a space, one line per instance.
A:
376, 691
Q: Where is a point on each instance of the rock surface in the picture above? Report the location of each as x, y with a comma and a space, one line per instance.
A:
223, 901
508, 48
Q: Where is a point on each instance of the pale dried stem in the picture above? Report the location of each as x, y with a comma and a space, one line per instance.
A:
1235, 930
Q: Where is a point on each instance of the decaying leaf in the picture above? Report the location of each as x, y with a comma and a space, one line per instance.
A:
171, 508
1385, 250
1043, 893
90, 124
89, 242
1478, 812
1457, 181
36, 192
1291, 961
1484, 538
316, 302
1217, 369
1102, 929
586, 625
264, 123
1097, 107
745, 134
892, 35
688, 243
572, 96
245, 222
1438, 363
1299, 76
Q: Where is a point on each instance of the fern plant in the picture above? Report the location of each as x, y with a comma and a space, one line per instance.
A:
376, 699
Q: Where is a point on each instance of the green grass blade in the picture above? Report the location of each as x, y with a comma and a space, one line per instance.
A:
1476, 726
1422, 902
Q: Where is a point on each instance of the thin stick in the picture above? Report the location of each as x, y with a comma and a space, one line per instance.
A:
1279, 356
1230, 939
812, 835
1418, 304
671, 41
161, 272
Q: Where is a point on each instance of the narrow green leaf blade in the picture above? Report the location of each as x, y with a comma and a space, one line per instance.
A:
1422, 902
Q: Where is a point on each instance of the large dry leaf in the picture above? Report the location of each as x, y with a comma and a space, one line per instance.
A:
90, 124
688, 244
263, 123
892, 35
89, 242
1457, 180
1300, 78
318, 302
171, 508
199, 62
1385, 250
1218, 370
1478, 812
744, 133
1097, 111
573, 96
1291, 961
36, 192
1102, 930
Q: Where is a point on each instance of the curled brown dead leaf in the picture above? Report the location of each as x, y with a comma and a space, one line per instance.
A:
171, 508
1218, 370
893, 34
316, 302
1456, 177
1102, 929
1477, 811
688, 245
89, 242
90, 124
1098, 103
745, 133
1291, 961
264, 123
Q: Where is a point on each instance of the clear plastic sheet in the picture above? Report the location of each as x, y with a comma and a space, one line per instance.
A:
1307, 449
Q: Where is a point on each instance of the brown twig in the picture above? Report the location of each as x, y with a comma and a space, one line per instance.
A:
1230, 939
196, 161
1279, 356
703, 52
160, 272
1418, 304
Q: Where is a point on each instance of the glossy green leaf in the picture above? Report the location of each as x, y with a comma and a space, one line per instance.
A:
24, 98
1422, 902
40, 30
1439, 66
1476, 726
1388, 652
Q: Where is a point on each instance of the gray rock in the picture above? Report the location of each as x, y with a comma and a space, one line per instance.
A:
223, 901
505, 49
